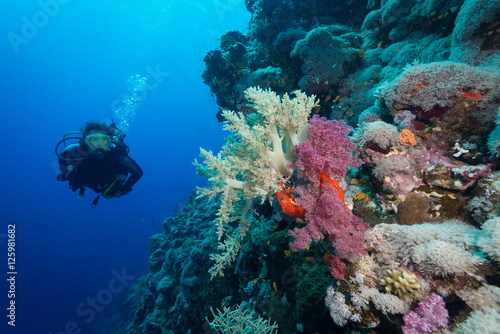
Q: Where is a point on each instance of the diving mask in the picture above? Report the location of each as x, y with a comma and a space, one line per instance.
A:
98, 141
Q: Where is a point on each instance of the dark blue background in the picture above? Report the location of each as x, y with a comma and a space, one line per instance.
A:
72, 70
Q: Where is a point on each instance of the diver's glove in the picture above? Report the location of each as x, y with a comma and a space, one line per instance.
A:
116, 189
111, 191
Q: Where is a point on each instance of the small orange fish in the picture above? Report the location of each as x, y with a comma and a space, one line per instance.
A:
379, 44
361, 53
275, 287
397, 48
420, 85
309, 258
360, 196
288, 253
327, 98
336, 99
476, 96
421, 135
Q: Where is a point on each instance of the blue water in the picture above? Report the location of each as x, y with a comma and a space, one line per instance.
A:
64, 63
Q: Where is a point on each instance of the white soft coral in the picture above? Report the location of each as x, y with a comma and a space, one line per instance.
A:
253, 163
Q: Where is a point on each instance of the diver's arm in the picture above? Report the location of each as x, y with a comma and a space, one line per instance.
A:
69, 160
129, 165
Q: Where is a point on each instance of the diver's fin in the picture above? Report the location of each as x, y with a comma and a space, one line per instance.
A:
94, 202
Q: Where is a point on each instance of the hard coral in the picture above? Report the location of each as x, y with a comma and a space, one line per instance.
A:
239, 320
400, 283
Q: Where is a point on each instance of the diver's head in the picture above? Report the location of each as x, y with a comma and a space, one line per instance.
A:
97, 136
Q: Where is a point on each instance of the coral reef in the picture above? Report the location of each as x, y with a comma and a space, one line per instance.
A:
241, 321
359, 190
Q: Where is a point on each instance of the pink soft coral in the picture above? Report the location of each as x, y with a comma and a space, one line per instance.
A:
430, 315
328, 217
327, 149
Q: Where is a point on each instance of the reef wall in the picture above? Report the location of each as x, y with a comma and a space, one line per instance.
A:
400, 234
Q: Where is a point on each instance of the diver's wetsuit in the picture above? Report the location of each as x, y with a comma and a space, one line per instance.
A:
99, 173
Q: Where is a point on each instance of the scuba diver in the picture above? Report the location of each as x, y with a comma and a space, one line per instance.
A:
99, 161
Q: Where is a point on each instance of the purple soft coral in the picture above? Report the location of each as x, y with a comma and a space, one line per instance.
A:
430, 315
328, 217
327, 149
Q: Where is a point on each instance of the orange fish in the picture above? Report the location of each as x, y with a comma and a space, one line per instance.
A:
379, 44
475, 96
287, 202
309, 258
420, 85
397, 48
327, 98
275, 287
336, 99
325, 179
360, 196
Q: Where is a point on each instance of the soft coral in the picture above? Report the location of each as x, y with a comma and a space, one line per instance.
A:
326, 153
327, 149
